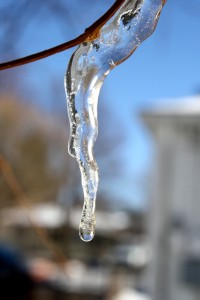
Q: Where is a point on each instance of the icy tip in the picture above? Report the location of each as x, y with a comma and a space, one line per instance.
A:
86, 234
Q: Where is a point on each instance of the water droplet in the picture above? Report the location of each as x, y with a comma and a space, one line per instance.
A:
86, 234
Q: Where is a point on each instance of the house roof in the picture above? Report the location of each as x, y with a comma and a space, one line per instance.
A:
187, 106
51, 216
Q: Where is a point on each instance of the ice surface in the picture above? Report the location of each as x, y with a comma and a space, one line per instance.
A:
89, 65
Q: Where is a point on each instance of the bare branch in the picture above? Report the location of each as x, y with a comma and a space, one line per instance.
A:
90, 34
16, 189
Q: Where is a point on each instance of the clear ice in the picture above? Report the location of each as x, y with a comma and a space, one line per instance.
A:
89, 65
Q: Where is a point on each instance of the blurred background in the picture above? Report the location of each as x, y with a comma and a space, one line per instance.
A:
147, 243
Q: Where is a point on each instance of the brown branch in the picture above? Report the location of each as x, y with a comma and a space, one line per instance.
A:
90, 34
23, 201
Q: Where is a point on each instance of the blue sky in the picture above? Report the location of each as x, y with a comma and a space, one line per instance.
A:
163, 68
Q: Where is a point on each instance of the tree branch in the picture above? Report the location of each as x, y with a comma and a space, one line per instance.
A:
24, 202
90, 34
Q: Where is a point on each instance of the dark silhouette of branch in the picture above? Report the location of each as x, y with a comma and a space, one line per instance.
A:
90, 34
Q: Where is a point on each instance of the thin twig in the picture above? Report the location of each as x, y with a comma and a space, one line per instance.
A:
90, 34
22, 199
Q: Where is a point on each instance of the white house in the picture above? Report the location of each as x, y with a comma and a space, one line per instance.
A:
174, 210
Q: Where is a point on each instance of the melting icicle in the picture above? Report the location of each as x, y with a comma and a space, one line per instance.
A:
89, 65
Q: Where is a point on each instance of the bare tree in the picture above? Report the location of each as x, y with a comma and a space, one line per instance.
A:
35, 147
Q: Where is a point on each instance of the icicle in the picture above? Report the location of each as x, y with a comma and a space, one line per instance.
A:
89, 65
